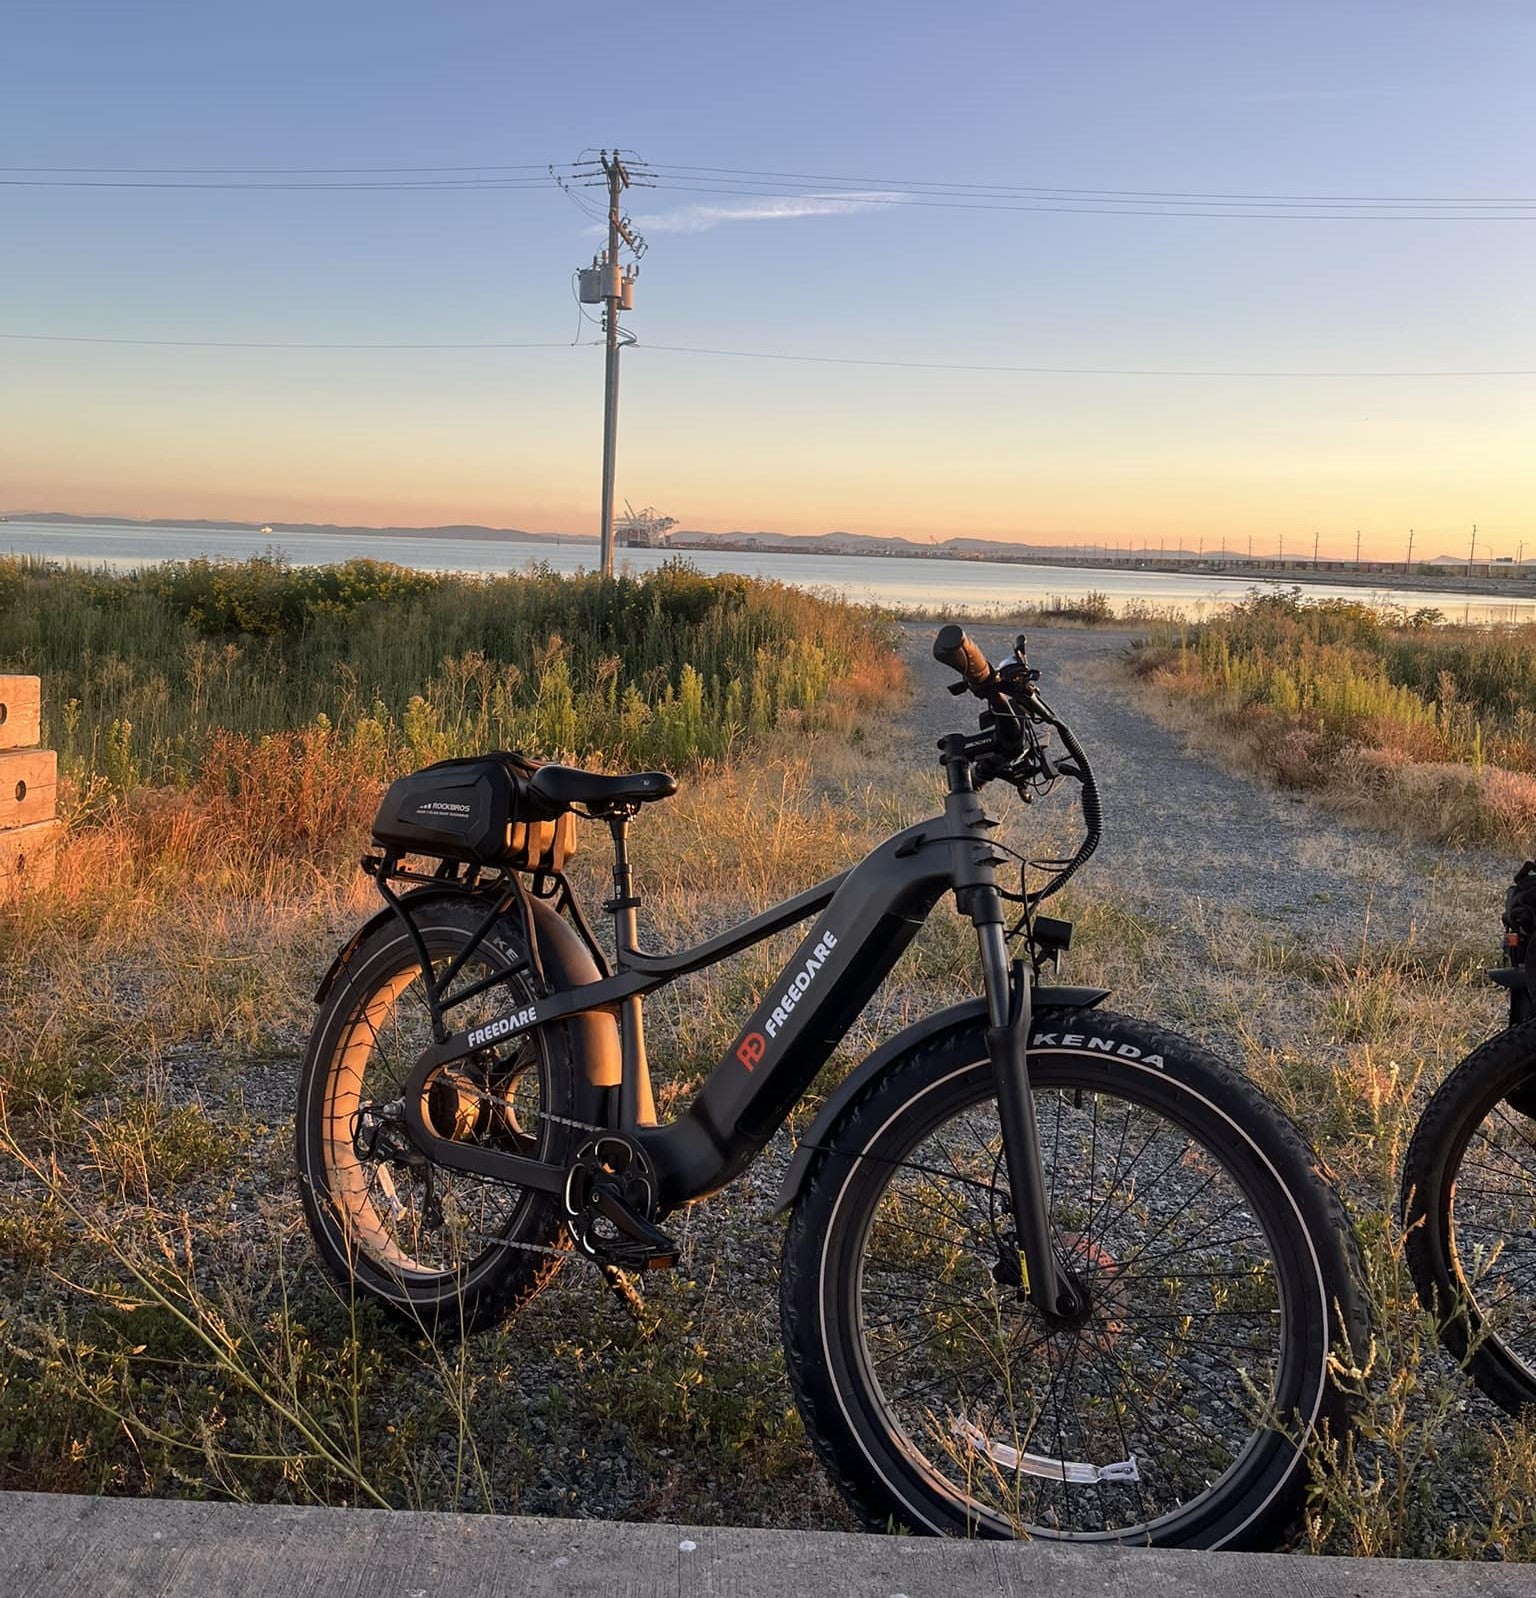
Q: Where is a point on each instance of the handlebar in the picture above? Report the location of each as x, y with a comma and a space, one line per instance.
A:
953, 649
1008, 749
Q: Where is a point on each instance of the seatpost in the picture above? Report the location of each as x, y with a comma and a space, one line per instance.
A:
637, 1106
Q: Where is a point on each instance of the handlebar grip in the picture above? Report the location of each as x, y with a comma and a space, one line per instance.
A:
953, 649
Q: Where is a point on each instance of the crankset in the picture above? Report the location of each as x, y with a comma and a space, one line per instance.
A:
610, 1196
610, 1199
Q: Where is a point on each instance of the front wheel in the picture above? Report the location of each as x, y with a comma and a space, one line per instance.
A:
1217, 1266
1469, 1205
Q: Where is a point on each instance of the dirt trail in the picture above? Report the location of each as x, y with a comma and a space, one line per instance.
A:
1182, 836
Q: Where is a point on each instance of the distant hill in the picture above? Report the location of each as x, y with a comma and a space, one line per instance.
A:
453, 530
862, 543
830, 543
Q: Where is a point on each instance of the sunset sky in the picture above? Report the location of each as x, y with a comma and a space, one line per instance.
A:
882, 105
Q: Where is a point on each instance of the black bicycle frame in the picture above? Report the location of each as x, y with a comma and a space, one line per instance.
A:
868, 916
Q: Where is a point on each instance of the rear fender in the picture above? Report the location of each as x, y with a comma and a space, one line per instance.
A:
593, 1035
959, 1018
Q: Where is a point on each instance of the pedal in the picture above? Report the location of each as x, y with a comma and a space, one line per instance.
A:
634, 1243
629, 1296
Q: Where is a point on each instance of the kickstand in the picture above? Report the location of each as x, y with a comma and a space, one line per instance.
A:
630, 1296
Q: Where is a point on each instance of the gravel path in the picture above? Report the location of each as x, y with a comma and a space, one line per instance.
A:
1182, 835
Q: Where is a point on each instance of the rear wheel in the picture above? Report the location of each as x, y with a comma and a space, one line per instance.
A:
1469, 1202
444, 1250
1217, 1269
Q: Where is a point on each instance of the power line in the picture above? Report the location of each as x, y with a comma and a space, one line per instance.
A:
685, 171
768, 355
269, 171
1129, 194
459, 184
1067, 371
899, 201
762, 183
262, 344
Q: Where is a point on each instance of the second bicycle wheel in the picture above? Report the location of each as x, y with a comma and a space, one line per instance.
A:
1216, 1264
1469, 1203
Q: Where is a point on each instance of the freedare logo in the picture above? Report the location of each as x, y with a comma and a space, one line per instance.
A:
797, 989
754, 1045
503, 1026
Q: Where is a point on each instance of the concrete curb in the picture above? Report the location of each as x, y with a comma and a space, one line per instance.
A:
57, 1546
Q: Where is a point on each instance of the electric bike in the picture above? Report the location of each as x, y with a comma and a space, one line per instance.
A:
1049, 1271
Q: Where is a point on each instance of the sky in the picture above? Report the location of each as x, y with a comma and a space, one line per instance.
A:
895, 426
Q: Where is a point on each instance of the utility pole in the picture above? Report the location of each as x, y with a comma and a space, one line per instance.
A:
1357, 548
1315, 537
607, 283
1472, 552
1408, 564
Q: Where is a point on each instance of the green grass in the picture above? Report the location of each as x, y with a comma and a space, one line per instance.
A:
164, 1328
147, 675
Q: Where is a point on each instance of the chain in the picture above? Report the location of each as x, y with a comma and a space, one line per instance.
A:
523, 1112
538, 1115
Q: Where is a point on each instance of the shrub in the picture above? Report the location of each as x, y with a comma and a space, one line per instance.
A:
147, 676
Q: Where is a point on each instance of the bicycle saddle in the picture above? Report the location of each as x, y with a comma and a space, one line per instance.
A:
570, 785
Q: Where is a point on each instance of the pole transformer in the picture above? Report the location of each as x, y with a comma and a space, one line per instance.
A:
606, 283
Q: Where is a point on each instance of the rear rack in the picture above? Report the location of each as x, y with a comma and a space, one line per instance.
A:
502, 891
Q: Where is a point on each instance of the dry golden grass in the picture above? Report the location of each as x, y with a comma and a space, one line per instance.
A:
1429, 728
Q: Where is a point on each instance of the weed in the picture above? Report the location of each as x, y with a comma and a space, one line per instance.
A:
1388, 714
173, 672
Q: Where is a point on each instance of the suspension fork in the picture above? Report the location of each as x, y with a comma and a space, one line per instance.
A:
1009, 997
1044, 1282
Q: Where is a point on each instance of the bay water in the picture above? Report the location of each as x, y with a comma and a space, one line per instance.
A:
902, 582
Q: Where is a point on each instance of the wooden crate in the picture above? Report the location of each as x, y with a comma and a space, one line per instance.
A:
21, 708
29, 780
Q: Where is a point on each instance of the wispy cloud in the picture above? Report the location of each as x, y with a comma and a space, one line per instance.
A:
700, 218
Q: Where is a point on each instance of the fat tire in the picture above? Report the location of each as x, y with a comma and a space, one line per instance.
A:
1313, 1245
1464, 1102
501, 1278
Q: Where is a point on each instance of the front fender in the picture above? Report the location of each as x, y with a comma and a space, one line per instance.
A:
957, 1018
953, 1020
